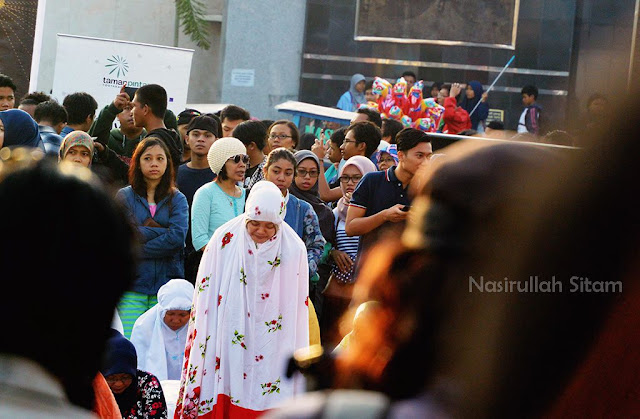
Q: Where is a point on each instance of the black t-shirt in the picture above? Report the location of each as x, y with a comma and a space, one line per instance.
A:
173, 142
188, 182
250, 171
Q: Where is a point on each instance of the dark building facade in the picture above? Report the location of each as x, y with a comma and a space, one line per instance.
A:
569, 49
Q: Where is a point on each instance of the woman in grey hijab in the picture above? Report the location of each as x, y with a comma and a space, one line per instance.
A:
350, 100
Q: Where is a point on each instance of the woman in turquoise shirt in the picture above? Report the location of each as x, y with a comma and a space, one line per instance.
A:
218, 201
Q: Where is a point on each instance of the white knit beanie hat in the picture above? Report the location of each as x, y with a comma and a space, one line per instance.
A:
222, 150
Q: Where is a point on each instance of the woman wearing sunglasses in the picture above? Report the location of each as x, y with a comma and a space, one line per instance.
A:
219, 201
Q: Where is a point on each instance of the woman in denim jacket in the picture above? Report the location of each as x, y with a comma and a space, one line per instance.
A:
160, 213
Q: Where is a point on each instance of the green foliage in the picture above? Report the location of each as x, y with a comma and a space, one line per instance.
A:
191, 16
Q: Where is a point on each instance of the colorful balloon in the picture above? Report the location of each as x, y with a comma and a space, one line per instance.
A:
396, 113
381, 87
424, 124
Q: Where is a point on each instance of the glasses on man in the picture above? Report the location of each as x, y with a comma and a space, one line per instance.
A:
279, 136
236, 159
303, 173
353, 179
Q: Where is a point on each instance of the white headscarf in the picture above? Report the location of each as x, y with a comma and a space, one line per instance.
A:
161, 350
250, 314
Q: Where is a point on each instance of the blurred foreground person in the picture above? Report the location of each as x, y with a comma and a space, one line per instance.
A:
18, 129
504, 300
47, 366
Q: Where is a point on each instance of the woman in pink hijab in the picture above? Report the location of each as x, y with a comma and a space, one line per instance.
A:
338, 291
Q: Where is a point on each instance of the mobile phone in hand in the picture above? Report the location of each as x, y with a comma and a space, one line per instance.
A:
405, 208
130, 91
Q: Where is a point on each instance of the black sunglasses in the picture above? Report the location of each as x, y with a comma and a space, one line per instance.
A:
237, 157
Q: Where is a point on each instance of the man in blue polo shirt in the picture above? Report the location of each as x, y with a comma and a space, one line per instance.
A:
381, 198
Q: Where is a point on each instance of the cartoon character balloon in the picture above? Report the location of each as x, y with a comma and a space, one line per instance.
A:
400, 95
396, 113
381, 87
417, 108
424, 124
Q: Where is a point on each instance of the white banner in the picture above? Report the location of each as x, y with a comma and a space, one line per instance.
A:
101, 66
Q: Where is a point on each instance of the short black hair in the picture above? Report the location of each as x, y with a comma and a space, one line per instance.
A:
307, 140
391, 128
372, 115
217, 118
338, 136
233, 113
410, 73
530, 90
155, 97
51, 111
267, 123
33, 98
251, 132
79, 106
497, 125
366, 132
446, 86
223, 173
411, 137
5, 81
437, 84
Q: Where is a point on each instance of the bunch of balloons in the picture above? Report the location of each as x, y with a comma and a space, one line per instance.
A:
410, 109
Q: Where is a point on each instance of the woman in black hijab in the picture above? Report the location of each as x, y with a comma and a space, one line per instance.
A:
137, 393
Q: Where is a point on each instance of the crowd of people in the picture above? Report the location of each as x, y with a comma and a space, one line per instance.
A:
213, 254
463, 108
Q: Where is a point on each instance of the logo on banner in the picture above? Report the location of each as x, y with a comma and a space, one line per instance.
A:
118, 65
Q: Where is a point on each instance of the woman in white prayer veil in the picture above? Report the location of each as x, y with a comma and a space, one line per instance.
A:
250, 314
160, 334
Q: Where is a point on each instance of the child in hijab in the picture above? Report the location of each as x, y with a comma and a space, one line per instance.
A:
77, 147
337, 294
250, 314
355, 96
19, 129
387, 157
160, 334
138, 393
